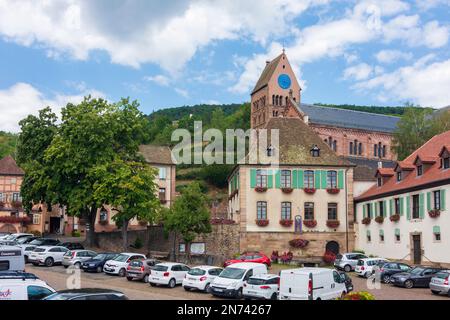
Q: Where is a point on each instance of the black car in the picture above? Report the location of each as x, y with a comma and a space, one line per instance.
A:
347, 280
389, 269
26, 240
44, 242
87, 294
416, 277
72, 245
96, 263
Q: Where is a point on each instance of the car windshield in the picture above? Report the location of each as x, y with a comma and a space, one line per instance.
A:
339, 257
442, 275
39, 250
37, 242
100, 256
136, 263
22, 240
197, 272
360, 262
417, 270
256, 281
121, 258
10, 237
232, 273
159, 267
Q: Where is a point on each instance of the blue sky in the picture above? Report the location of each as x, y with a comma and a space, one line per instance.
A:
174, 53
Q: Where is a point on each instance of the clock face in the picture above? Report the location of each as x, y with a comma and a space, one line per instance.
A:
284, 81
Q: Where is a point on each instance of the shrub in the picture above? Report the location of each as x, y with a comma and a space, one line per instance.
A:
216, 174
275, 256
361, 295
286, 257
298, 243
76, 234
329, 257
138, 243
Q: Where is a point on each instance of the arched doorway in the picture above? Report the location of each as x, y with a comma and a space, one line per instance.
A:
332, 246
7, 227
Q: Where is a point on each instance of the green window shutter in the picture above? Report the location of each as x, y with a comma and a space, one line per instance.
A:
381, 232
368, 232
252, 178
397, 231
436, 229
294, 176
364, 210
341, 179
375, 204
421, 206
428, 201
391, 207
401, 205
374, 212
317, 179
408, 207
323, 175
385, 208
443, 199
269, 179
278, 179
300, 181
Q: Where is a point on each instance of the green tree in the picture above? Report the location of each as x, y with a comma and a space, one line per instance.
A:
8, 142
189, 216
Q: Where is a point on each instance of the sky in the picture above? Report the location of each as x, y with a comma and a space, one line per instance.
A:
178, 52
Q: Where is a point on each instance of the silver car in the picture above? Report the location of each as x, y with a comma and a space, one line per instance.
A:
77, 257
440, 283
348, 261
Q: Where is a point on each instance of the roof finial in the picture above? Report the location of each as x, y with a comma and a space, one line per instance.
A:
284, 49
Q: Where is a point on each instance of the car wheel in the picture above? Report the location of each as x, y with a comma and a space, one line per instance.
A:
49, 262
146, 278
409, 284
122, 272
186, 288
130, 278
347, 268
274, 296
207, 288
77, 265
172, 283
367, 274
99, 269
386, 279
26, 259
435, 292
239, 294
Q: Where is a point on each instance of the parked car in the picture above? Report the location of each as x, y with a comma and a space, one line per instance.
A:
169, 274
140, 269
200, 278
26, 249
11, 259
77, 257
47, 255
366, 267
230, 282
22, 286
256, 257
348, 261
17, 236
96, 263
25, 240
263, 286
72, 245
391, 268
311, 284
118, 265
87, 294
439, 283
44, 242
416, 277
347, 280
3, 235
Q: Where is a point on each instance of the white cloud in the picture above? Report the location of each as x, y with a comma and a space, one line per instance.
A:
159, 79
425, 82
22, 99
359, 72
391, 56
182, 92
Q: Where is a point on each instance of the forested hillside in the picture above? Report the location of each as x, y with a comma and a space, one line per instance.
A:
7, 144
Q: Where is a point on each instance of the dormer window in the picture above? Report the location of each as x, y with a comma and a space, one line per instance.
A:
399, 176
419, 170
446, 163
379, 181
315, 151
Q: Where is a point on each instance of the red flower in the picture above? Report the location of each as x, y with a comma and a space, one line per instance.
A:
329, 257
260, 189
262, 222
310, 223
333, 223
434, 213
394, 217
287, 190
286, 223
309, 190
298, 243
333, 190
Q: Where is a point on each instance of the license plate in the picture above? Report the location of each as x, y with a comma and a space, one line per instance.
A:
131, 273
192, 279
252, 292
218, 290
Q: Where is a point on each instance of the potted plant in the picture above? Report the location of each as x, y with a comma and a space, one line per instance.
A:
333, 190
262, 222
274, 257
298, 243
260, 189
333, 223
366, 220
395, 217
310, 223
379, 219
287, 190
286, 222
434, 213
309, 190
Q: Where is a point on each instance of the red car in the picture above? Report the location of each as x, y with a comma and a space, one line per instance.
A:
256, 257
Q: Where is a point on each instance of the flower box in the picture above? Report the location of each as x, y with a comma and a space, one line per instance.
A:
333, 191
333, 223
260, 189
287, 190
9, 219
310, 223
262, 223
434, 213
366, 220
286, 223
309, 190
379, 219
394, 218
298, 243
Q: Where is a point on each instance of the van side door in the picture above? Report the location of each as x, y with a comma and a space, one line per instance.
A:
338, 286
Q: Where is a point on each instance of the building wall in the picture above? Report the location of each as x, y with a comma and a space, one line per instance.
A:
359, 187
433, 251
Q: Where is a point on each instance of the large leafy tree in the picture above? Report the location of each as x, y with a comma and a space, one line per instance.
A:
189, 215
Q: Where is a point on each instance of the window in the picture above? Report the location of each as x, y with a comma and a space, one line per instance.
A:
381, 207
261, 178
36, 219
162, 173
162, 194
270, 150
355, 147
309, 210
16, 196
446, 163
285, 178
399, 176
381, 237
332, 211
375, 150
437, 199
384, 151
379, 181
369, 238
309, 179
437, 236
331, 179
360, 148
37, 293
286, 209
419, 170
415, 207
261, 210
369, 210
4, 265
397, 205
350, 148
103, 215
334, 145
397, 237
315, 151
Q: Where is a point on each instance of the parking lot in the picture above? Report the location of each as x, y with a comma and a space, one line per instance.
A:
58, 277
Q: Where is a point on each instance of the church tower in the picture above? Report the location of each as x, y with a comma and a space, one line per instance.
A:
276, 94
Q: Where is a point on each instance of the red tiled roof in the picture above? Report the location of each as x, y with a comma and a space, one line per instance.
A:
430, 150
8, 166
425, 159
404, 165
446, 147
385, 172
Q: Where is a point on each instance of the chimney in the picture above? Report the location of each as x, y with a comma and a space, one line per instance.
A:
267, 62
380, 164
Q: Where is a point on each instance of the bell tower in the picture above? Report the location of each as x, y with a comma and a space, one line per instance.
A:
276, 94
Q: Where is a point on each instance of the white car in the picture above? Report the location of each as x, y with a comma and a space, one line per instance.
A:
16, 236
263, 286
47, 255
169, 274
367, 267
77, 257
23, 286
118, 265
200, 277
26, 250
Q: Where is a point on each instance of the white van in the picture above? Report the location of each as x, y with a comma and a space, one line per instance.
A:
22, 286
230, 281
11, 258
311, 284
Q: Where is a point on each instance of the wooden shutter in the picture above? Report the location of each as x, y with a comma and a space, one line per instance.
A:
391, 207
401, 206
278, 179
385, 208
300, 181
317, 179
408, 207
428, 201
364, 210
323, 175
421, 206
252, 178
341, 179
294, 176
443, 199
269, 179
